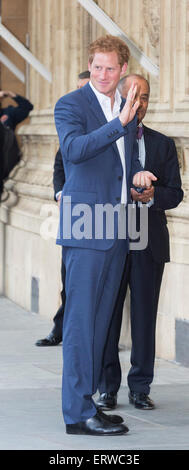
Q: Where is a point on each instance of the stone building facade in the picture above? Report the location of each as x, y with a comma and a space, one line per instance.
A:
59, 34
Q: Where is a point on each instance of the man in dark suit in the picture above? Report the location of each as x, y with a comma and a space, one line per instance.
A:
144, 269
97, 143
55, 336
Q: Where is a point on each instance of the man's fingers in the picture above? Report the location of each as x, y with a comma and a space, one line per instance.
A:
147, 182
143, 179
129, 110
134, 108
133, 191
131, 90
149, 178
134, 195
131, 94
148, 192
152, 176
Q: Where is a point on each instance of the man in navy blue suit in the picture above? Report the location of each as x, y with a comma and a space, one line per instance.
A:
144, 268
97, 134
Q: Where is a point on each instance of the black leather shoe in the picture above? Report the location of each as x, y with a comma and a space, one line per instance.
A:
107, 401
141, 401
97, 426
50, 340
115, 419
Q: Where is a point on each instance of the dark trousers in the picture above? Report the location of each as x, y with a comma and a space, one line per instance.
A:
145, 282
144, 276
110, 378
58, 318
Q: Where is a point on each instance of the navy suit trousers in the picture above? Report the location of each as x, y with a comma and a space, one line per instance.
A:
92, 282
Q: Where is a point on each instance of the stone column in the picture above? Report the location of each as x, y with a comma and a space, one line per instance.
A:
31, 263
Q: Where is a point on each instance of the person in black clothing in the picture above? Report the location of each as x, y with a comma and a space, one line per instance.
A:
55, 336
12, 115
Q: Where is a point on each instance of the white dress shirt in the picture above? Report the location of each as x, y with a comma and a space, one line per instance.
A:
105, 103
142, 158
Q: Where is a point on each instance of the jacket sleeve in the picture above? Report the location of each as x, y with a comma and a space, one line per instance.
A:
58, 173
169, 193
23, 103
17, 114
76, 145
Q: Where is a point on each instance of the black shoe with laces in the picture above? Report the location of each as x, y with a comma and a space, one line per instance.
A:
141, 401
107, 401
50, 340
97, 426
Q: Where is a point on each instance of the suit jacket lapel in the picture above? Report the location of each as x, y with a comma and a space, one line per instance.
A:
129, 138
151, 146
94, 104
97, 110
148, 149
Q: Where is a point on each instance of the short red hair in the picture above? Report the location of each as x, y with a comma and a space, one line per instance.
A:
110, 43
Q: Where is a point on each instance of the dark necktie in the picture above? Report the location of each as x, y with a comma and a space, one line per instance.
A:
139, 132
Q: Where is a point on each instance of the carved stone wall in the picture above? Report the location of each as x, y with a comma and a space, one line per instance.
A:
60, 34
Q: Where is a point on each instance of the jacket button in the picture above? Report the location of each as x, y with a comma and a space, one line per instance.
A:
119, 178
118, 199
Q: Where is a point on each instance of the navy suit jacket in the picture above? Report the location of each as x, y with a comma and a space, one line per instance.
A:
92, 164
162, 161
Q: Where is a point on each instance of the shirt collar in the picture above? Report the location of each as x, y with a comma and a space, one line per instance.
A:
105, 100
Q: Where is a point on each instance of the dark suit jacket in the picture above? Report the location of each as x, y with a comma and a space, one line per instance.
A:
58, 173
161, 159
92, 163
18, 113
